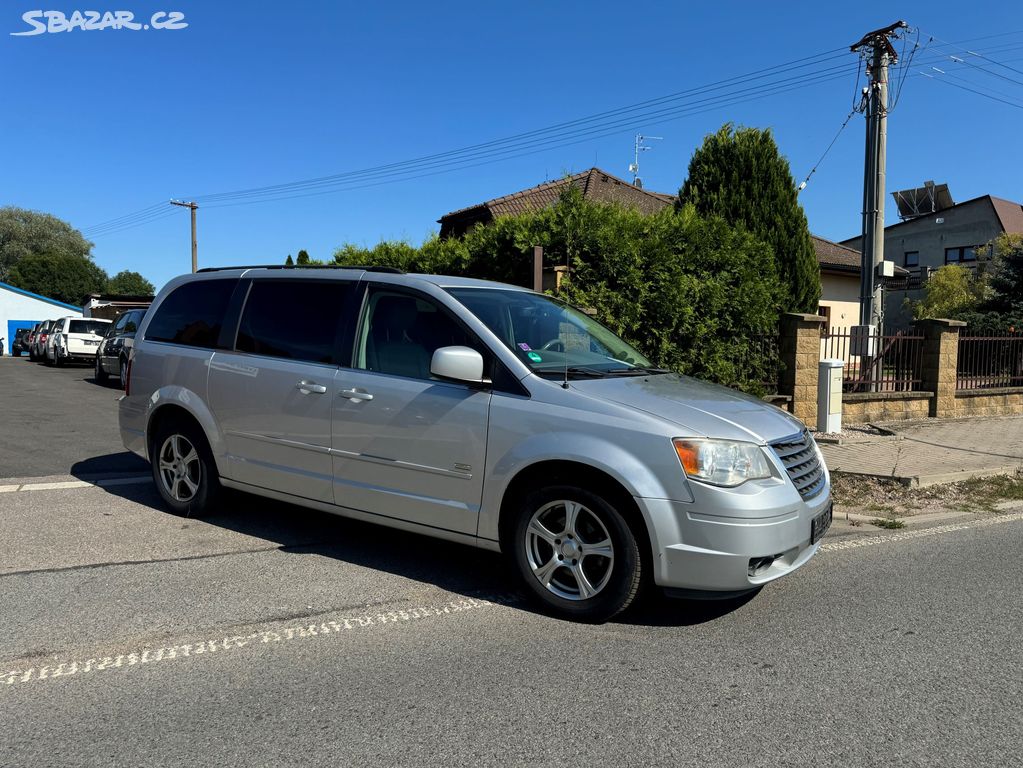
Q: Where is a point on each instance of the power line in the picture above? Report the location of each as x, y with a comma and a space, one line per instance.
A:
971, 90
722, 93
819, 161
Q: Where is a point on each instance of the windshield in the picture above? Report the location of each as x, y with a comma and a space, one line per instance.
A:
549, 336
88, 326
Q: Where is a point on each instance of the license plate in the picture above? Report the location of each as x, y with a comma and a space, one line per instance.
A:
819, 525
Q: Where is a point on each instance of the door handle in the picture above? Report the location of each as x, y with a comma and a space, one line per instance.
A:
307, 387
355, 394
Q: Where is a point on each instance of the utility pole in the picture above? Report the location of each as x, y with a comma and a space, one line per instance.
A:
877, 47
193, 207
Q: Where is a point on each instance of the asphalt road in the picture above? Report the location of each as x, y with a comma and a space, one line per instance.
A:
272, 635
56, 421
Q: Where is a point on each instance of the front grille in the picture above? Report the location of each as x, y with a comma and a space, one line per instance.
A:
800, 459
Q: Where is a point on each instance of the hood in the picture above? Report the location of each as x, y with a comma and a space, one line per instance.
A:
699, 408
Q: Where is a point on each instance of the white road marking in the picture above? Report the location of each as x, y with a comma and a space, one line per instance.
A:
55, 486
271, 635
867, 541
114, 481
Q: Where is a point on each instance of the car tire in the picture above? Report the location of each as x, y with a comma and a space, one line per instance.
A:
16, 353
102, 377
183, 468
58, 360
576, 553
47, 360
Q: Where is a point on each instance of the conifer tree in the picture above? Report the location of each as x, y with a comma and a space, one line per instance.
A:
739, 175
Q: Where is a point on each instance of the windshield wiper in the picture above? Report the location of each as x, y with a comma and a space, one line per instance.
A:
638, 370
574, 370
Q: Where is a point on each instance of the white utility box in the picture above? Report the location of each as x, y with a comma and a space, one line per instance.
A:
829, 395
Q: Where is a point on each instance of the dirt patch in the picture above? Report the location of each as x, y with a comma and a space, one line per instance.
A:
890, 500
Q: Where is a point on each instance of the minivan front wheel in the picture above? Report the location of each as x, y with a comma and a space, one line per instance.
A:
576, 553
183, 469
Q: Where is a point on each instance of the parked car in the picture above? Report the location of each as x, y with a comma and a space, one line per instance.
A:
476, 412
49, 346
113, 351
38, 348
30, 339
20, 343
76, 339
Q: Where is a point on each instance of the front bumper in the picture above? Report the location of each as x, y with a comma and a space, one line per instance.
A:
707, 546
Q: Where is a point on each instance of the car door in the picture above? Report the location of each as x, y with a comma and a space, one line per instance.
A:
405, 445
271, 395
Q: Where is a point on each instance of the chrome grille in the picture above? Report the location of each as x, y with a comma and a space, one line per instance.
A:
800, 460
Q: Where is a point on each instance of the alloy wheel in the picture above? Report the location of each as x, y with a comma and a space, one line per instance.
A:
180, 468
569, 550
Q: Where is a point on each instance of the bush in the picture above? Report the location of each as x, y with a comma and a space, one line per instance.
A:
690, 292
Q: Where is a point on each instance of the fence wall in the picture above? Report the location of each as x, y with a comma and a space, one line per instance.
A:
935, 368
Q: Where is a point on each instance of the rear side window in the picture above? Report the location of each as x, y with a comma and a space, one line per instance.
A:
294, 319
193, 314
88, 326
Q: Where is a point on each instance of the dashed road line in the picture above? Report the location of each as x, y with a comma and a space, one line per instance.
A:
61, 485
273, 636
867, 541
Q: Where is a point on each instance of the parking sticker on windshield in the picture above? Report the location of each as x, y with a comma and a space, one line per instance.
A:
524, 346
534, 357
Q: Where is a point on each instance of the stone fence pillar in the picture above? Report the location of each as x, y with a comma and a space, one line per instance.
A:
939, 362
799, 347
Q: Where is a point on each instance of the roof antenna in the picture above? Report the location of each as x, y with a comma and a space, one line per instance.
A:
634, 165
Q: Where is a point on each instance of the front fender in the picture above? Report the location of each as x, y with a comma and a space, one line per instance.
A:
643, 468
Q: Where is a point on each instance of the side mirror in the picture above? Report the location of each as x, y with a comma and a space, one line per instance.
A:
458, 364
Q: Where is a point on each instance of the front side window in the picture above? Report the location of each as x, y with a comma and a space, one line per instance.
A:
193, 314
131, 322
294, 319
549, 336
400, 332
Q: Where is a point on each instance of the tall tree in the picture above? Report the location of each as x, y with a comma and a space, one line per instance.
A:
303, 257
289, 262
63, 277
739, 175
126, 283
24, 233
1006, 252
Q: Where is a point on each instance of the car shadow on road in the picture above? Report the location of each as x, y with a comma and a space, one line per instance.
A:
453, 567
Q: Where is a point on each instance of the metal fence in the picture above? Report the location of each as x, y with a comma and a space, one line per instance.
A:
987, 362
889, 361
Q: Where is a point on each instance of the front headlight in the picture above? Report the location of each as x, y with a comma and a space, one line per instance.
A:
721, 462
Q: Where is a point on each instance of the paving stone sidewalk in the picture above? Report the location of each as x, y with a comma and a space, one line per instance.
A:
934, 451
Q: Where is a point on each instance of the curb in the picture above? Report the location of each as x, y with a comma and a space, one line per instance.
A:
938, 478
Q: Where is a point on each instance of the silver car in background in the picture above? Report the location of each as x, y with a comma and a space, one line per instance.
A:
476, 412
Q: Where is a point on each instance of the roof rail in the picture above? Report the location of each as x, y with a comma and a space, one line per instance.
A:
370, 268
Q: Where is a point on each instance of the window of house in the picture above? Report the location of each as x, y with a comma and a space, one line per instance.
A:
911, 259
960, 254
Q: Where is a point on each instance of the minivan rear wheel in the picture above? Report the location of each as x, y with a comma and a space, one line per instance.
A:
183, 469
576, 553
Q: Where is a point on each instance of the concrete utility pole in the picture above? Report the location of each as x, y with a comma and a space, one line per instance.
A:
882, 53
193, 207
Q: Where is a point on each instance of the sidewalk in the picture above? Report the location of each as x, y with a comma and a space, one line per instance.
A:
922, 453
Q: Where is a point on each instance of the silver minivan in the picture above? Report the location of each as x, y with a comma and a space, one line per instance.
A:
477, 412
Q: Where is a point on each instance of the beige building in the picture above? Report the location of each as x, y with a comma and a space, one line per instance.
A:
840, 283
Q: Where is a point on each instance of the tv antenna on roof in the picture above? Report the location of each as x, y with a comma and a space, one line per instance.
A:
640, 147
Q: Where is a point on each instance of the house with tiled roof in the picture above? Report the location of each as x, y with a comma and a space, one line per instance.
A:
840, 282
947, 233
596, 185
840, 270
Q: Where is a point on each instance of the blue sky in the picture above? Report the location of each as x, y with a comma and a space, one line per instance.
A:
99, 124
